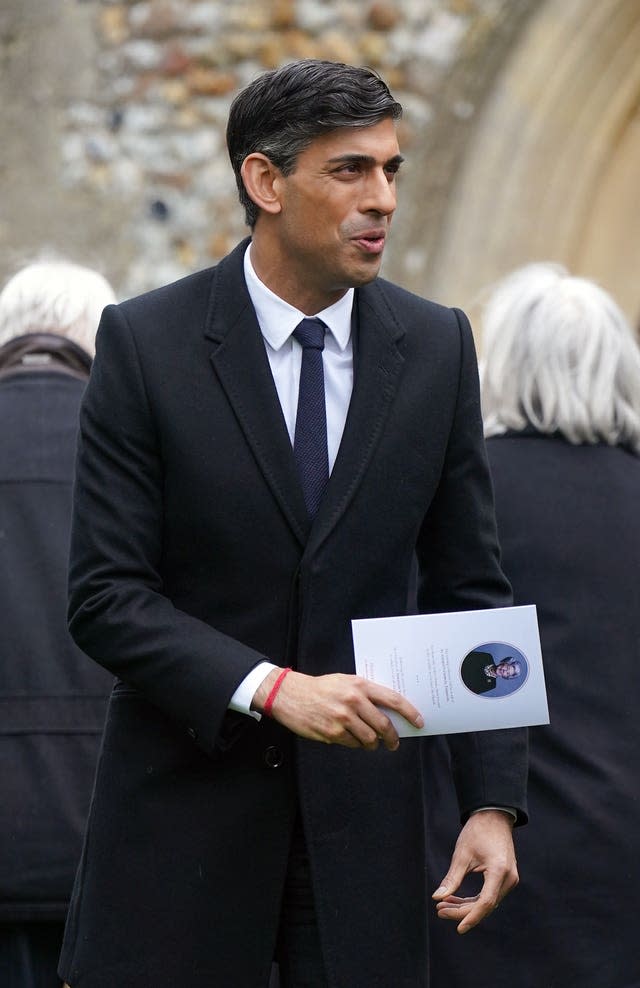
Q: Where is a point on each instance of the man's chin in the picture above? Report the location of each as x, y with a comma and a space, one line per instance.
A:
366, 273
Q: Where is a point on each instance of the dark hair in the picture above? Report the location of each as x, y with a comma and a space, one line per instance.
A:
280, 113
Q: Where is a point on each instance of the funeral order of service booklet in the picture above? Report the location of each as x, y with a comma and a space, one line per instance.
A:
464, 671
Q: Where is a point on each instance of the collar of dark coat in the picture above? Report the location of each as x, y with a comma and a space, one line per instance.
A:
529, 431
242, 366
43, 352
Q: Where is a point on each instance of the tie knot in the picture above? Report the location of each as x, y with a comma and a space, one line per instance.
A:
310, 333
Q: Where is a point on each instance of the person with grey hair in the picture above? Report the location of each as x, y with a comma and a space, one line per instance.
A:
480, 672
559, 358
57, 297
52, 698
561, 401
254, 471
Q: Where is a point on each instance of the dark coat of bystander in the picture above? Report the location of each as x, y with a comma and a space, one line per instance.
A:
569, 526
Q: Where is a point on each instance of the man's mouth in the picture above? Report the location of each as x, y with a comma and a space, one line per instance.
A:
372, 241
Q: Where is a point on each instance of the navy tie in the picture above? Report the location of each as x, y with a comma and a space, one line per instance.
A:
310, 440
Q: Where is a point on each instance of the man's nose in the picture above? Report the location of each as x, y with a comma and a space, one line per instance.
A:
379, 194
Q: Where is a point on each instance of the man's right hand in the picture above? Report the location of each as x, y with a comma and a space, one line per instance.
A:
336, 709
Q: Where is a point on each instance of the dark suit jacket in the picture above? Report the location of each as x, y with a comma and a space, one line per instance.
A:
193, 559
52, 698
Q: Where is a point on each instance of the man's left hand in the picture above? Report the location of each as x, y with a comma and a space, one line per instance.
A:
484, 846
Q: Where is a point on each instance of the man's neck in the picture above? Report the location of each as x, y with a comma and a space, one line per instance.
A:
279, 276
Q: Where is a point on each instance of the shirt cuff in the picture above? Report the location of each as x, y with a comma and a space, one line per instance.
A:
243, 697
505, 809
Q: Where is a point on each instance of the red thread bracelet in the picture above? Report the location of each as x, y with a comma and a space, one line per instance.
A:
268, 703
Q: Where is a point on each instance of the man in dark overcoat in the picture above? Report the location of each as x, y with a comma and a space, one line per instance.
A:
252, 798
53, 699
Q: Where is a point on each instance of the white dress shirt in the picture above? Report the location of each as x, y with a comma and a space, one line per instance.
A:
277, 320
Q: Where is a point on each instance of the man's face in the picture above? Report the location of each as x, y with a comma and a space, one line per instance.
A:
336, 208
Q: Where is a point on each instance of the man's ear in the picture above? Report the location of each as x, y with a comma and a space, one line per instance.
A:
260, 177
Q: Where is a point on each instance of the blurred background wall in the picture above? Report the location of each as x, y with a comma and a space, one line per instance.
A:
521, 130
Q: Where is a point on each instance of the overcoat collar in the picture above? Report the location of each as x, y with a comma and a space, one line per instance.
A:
46, 352
242, 366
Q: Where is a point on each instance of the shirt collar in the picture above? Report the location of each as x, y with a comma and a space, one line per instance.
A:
277, 319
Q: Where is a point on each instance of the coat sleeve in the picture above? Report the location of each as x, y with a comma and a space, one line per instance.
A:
459, 569
118, 612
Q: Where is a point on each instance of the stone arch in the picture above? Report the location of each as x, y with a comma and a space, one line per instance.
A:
551, 168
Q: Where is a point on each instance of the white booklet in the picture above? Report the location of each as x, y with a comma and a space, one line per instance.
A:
464, 671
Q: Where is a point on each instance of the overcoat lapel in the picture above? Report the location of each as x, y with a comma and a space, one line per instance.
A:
242, 366
378, 364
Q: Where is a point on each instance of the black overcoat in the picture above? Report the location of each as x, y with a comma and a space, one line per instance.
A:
569, 527
52, 698
193, 559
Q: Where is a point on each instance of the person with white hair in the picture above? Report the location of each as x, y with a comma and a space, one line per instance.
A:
57, 297
559, 357
52, 697
561, 405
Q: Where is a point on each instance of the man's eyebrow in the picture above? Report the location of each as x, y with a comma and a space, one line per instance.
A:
364, 159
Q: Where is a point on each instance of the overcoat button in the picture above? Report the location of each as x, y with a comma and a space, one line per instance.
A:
193, 734
273, 756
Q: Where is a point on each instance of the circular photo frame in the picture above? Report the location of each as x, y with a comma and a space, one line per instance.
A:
494, 669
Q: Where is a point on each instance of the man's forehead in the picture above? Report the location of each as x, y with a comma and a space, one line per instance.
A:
378, 142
